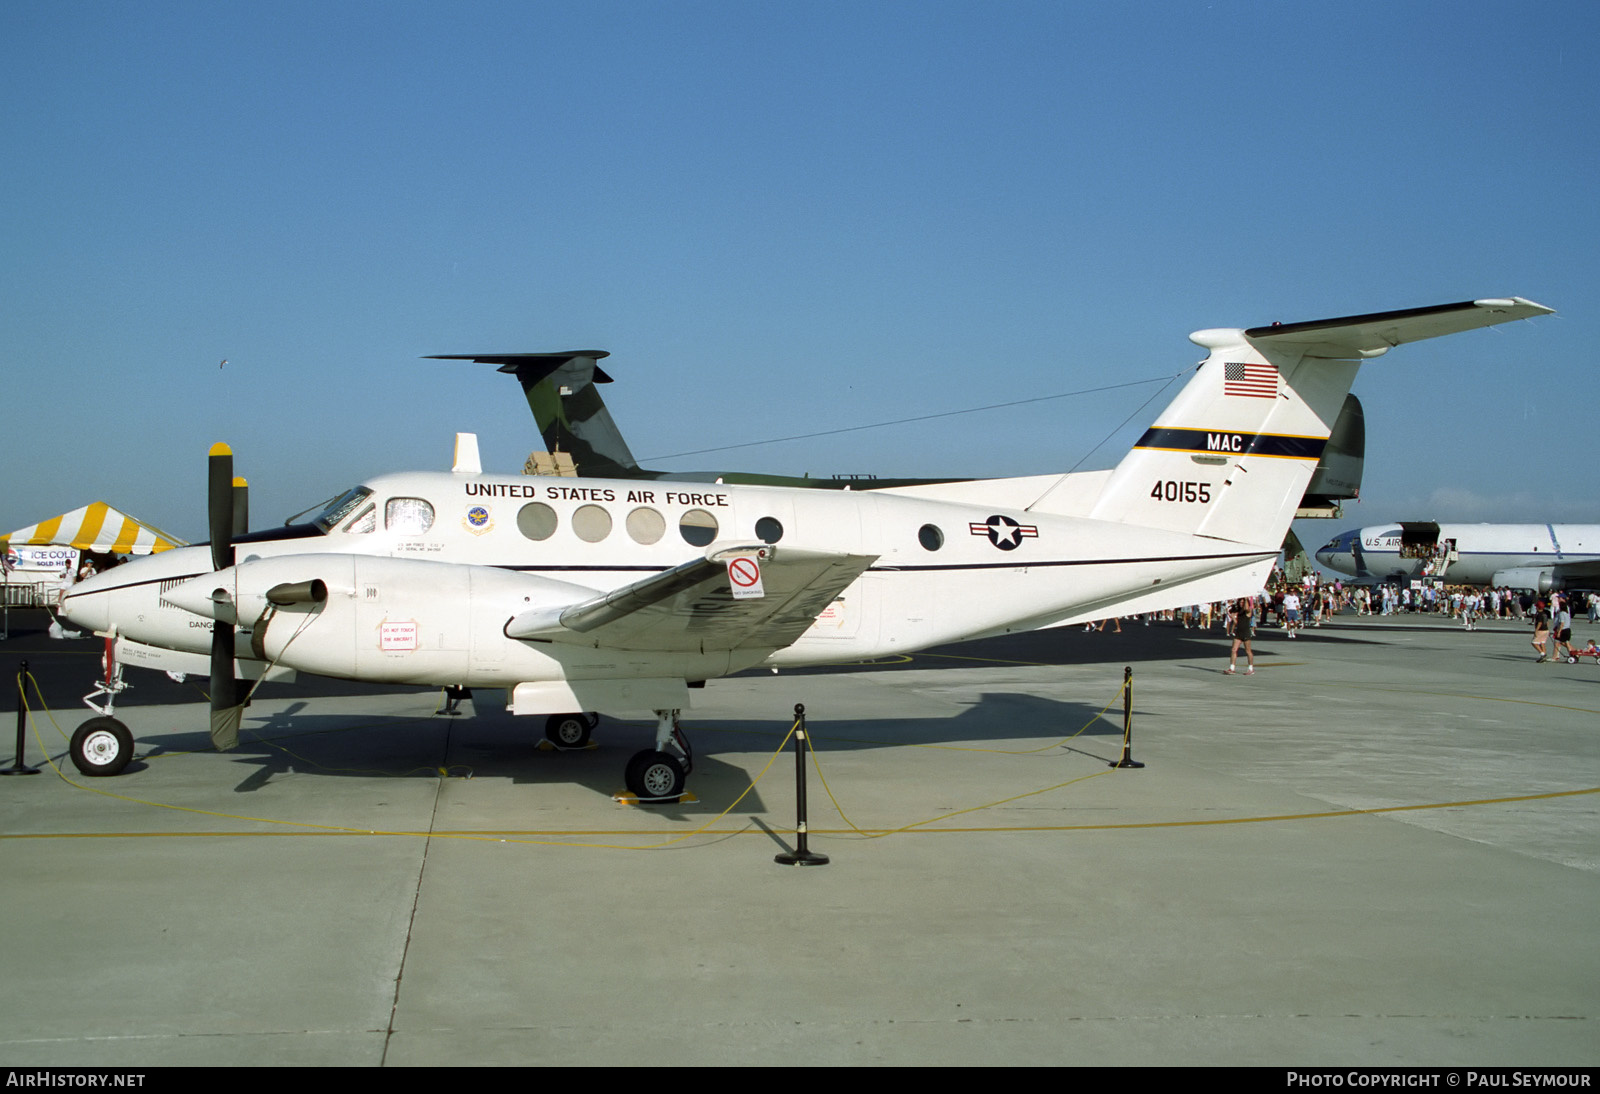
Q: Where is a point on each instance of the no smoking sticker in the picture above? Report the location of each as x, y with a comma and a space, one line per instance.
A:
744, 578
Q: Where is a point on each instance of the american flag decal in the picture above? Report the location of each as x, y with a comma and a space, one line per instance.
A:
1248, 378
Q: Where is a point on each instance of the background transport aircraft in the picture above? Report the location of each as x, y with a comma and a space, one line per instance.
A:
576, 424
623, 595
1538, 557
574, 420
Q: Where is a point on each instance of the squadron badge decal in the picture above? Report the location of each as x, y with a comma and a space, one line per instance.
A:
478, 521
1004, 532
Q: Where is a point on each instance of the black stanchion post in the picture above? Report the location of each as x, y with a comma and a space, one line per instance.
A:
17, 766
1127, 721
801, 855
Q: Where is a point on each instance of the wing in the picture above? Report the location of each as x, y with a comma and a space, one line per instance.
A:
1372, 335
1578, 574
692, 607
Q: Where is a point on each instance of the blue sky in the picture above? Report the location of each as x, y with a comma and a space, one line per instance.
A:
779, 218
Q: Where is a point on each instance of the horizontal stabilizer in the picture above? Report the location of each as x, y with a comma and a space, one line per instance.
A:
530, 368
1231, 457
1373, 335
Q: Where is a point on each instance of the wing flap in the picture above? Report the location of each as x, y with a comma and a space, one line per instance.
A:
692, 608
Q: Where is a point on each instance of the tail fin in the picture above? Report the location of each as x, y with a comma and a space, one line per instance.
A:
1232, 455
560, 388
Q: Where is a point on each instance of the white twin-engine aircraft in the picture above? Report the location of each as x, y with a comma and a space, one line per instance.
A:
621, 596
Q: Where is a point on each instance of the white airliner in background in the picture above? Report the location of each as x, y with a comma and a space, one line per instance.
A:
1539, 557
622, 595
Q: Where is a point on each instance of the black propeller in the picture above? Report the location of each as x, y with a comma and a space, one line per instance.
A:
227, 692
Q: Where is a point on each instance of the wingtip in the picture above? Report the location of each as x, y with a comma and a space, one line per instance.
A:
1514, 303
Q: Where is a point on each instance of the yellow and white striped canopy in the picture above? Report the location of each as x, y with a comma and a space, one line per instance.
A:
96, 527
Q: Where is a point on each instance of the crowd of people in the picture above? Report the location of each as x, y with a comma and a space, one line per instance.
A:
1295, 605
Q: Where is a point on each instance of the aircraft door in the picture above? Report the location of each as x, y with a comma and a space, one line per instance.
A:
1419, 539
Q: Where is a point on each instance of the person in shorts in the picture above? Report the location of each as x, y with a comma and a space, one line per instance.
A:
1242, 613
1562, 630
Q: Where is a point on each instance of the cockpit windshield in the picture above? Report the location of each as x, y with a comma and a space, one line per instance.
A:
341, 507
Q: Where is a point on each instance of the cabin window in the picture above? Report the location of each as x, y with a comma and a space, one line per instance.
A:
697, 527
537, 521
646, 525
930, 537
365, 522
769, 530
408, 516
591, 523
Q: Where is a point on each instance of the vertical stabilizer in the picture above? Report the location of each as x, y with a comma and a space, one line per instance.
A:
560, 389
1232, 456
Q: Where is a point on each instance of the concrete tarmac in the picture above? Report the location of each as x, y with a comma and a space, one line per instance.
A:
1381, 849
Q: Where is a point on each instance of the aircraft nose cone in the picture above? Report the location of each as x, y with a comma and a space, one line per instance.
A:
88, 604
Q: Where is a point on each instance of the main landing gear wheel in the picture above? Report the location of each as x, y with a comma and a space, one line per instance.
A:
652, 774
102, 747
570, 730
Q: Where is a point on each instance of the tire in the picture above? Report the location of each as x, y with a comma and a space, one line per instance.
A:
568, 730
102, 747
655, 775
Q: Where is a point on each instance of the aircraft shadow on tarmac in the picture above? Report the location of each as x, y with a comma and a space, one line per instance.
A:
1074, 646
496, 745
65, 670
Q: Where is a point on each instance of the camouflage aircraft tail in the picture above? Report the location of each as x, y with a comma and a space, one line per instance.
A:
572, 417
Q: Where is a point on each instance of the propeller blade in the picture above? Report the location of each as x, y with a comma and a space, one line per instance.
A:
241, 507
225, 728
227, 709
219, 505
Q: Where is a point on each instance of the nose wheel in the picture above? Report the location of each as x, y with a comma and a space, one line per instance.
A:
101, 747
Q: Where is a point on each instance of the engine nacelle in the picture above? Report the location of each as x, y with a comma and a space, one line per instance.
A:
1526, 577
393, 620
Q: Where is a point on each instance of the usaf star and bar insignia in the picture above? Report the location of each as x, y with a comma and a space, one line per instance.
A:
1004, 532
